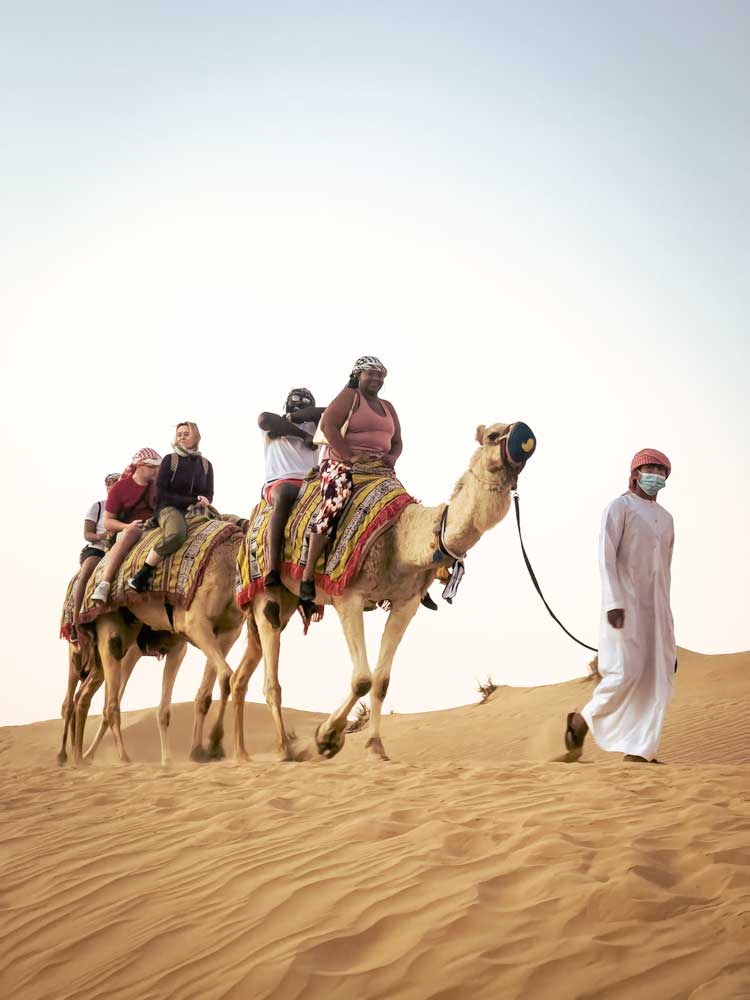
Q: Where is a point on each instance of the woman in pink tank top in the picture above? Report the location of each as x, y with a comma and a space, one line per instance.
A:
372, 431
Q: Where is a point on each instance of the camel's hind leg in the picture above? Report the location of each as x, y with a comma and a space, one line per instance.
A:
225, 641
86, 692
215, 648
129, 661
398, 621
68, 705
175, 656
114, 641
330, 735
240, 680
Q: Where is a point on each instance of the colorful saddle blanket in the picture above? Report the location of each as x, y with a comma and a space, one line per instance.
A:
377, 499
175, 580
66, 619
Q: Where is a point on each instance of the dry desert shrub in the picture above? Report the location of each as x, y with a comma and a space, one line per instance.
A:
486, 689
359, 719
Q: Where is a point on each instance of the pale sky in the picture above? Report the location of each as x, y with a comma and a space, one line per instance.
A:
529, 211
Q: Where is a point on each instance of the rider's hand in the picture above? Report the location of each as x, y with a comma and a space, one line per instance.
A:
203, 501
616, 617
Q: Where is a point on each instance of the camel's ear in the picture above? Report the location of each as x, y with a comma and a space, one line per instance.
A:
480, 433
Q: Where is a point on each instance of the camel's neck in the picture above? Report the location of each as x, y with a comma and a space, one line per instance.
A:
478, 504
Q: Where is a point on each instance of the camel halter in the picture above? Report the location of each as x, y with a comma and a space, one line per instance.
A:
536, 582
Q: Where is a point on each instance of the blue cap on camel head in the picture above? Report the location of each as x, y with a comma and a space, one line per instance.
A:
520, 444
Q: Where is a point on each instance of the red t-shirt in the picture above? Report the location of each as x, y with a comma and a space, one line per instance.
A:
127, 498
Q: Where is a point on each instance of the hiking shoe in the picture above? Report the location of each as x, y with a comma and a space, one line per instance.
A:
140, 581
307, 590
427, 602
101, 592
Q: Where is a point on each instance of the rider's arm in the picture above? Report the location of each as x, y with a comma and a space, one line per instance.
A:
278, 426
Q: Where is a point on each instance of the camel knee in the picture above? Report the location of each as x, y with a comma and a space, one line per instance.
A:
361, 688
225, 686
203, 703
380, 689
164, 717
115, 647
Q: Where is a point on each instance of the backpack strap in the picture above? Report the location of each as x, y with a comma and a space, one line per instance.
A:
174, 461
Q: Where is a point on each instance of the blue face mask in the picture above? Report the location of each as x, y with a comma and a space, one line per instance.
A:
651, 483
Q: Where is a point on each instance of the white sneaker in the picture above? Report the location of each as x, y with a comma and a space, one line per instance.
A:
101, 592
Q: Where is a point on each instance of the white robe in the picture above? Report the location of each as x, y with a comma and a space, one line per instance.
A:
626, 712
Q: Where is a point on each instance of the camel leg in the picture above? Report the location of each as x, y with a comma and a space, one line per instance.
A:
225, 641
201, 706
68, 705
129, 661
86, 692
270, 640
329, 737
115, 642
398, 621
240, 680
175, 656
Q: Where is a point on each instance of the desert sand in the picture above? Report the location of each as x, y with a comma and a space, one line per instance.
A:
470, 865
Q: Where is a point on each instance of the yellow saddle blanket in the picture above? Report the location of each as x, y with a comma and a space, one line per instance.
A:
175, 580
377, 499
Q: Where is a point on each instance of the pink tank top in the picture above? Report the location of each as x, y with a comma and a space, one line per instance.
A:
368, 431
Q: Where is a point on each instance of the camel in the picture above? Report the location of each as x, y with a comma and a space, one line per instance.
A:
212, 623
399, 567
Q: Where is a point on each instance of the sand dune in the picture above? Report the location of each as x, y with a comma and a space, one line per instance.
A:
468, 866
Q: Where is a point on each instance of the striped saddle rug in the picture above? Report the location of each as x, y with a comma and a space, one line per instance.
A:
377, 499
175, 580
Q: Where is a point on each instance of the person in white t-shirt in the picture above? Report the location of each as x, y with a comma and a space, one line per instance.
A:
290, 454
95, 535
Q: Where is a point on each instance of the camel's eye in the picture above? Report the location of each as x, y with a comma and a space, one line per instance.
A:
494, 437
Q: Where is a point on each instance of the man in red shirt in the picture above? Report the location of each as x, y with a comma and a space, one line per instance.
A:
130, 503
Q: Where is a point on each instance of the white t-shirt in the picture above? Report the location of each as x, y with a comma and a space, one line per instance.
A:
96, 513
289, 457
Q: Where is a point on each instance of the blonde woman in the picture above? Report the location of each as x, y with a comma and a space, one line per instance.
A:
185, 479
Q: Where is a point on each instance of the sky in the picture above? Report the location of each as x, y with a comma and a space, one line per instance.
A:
529, 211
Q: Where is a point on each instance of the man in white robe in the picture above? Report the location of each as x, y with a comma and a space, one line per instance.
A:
637, 651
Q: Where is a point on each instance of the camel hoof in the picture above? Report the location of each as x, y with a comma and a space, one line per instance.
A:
376, 748
328, 746
62, 758
215, 752
241, 757
199, 755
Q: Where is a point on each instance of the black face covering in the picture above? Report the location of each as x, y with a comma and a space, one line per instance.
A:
298, 399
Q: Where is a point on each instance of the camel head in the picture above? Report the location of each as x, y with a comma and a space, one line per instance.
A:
504, 451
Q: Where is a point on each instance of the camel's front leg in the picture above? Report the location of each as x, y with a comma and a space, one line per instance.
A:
175, 656
126, 669
225, 642
201, 705
68, 706
330, 735
240, 680
398, 621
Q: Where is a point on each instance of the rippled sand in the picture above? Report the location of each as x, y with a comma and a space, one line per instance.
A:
468, 866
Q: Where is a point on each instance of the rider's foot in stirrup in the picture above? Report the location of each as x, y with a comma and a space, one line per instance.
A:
101, 592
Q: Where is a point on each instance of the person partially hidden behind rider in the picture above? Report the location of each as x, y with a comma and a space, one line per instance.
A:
92, 552
372, 431
185, 479
130, 504
290, 454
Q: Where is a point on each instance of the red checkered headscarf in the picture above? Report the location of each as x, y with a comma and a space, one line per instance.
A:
648, 456
144, 456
